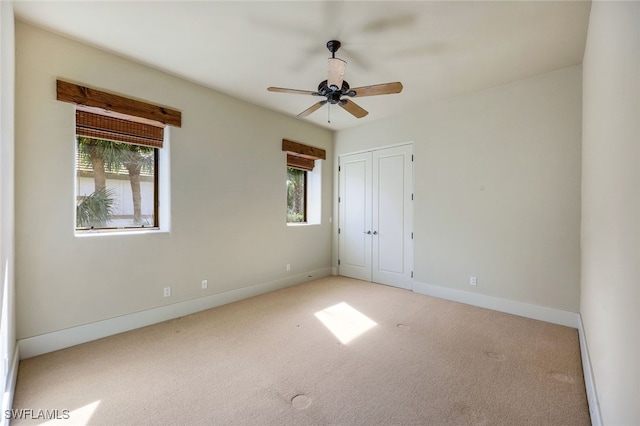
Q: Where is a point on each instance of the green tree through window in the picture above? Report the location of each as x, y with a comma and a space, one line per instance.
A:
296, 195
103, 198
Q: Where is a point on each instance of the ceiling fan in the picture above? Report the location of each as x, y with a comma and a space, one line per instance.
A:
335, 87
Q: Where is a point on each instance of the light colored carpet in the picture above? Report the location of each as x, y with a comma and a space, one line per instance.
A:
397, 358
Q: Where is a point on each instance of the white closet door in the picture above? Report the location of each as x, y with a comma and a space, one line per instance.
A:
392, 218
355, 216
376, 216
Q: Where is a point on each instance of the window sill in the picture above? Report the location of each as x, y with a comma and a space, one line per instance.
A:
104, 232
297, 224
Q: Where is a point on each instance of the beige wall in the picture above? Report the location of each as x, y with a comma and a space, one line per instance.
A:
497, 188
228, 195
610, 301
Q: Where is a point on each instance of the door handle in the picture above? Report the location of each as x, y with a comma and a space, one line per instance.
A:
368, 232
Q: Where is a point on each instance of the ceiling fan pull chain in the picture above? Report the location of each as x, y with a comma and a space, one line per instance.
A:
329, 113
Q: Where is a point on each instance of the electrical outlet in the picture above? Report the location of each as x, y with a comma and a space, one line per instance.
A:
167, 291
204, 284
473, 281
288, 267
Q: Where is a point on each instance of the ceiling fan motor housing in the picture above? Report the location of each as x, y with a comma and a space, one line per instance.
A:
333, 95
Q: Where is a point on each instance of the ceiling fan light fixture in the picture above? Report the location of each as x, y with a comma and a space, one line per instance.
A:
337, 68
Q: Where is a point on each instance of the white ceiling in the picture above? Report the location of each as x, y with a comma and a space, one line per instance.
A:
437, 49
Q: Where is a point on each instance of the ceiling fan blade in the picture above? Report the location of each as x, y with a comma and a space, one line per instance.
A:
311, 109
353, 108
296, 91
377, 89
389, 23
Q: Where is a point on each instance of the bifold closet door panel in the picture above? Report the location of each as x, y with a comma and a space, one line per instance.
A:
355, 216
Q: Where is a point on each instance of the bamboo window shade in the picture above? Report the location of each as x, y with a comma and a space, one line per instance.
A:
99, 126
300, 156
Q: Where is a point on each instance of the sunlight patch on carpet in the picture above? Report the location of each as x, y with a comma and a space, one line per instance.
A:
345, 322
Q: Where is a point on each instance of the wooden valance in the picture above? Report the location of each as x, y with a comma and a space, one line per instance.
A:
300, 156
85, 96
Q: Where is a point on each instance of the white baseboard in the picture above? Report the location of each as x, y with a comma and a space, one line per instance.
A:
10, 386
38, 345
542, 313
589, 382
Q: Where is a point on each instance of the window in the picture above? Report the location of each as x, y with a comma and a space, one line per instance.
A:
116, 185
120, 150
296, 195
116, 171
303, 182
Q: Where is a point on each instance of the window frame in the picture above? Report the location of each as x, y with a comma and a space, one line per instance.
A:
305, 177
156, 199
